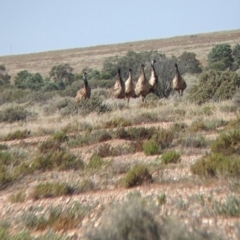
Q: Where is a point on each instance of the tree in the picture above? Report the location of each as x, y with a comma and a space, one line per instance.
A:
4, 77
33, 81
220, 57
236, 54
189, 62
62, 73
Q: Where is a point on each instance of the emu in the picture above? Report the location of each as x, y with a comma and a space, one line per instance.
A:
142, 87
84, 92
178, 82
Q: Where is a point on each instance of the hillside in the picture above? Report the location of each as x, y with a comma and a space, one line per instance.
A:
93, 57
165, 169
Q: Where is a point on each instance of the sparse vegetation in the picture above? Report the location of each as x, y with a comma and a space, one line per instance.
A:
104, 152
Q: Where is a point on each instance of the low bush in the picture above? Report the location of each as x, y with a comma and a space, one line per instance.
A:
50, 190
138, 175
170, 157
216, 164
59, 160
151, 147
215, 85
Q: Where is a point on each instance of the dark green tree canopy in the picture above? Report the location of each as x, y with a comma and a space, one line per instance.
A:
236, 53
190, 63
4, 77
25, 80
62, 72
220, 57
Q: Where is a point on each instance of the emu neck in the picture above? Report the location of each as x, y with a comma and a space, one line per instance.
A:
130, 76
153, 73
177, 74
85, 83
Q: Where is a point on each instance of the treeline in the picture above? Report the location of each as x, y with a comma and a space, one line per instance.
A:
63, 80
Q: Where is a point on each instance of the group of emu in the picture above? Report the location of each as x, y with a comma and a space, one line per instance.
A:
129, 90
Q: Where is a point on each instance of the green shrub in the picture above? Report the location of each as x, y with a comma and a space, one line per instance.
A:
215, 85
151, 147
217, 164
170, 157
59, 160
24, 80
95, 162
136, 176
50, 190
17, 135
227, 144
